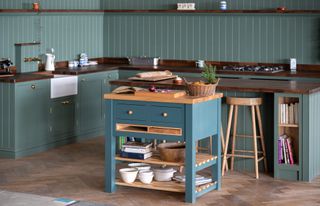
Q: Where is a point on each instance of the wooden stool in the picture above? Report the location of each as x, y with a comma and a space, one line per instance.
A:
254, 103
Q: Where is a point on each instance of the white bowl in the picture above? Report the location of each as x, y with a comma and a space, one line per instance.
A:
140, 166
128, 175
163, 174
146, 177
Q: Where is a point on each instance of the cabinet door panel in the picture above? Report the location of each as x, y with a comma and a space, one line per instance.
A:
62, 121
31, 114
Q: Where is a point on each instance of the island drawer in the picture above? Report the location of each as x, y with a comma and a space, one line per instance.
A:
131, 112
166, 114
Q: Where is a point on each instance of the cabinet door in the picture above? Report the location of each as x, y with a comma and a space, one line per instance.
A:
91, 109
62, 118
31, 114
90, 103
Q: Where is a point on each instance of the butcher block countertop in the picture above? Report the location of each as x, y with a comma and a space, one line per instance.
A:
244, 85
179, 100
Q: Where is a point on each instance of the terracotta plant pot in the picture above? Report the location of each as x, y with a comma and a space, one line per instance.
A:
172, 152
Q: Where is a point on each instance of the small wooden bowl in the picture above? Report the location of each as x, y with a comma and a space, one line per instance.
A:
172, 152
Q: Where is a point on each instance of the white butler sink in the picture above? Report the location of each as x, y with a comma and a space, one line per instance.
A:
63, 85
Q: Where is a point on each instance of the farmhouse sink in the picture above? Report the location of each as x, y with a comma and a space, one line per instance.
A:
63, 85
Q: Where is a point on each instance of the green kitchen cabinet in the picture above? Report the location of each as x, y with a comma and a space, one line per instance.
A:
90, 105
31, 112
62, 121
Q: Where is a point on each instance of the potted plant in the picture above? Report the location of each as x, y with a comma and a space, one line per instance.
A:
204, 88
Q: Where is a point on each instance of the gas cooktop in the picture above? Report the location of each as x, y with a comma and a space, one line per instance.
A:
262, 69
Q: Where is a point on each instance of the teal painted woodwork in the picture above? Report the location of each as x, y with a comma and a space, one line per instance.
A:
195, 126
31, 122
6, 118
31, 110
49, 4
310, 138
62, 118
221, 37
296, 171
68, 33
210, 4
91, 111
22, 52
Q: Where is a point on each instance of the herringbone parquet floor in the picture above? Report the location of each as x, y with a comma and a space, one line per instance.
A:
77, 171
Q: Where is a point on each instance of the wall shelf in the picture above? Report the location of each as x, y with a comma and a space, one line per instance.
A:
263, 11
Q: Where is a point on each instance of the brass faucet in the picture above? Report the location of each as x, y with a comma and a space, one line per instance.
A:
32, 59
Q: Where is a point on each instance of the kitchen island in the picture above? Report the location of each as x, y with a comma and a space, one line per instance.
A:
305, 133
173, 119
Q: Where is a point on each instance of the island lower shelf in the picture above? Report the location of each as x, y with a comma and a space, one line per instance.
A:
202, 160
166, 186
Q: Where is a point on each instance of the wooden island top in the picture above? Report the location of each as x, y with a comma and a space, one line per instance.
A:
243, 85
179, 100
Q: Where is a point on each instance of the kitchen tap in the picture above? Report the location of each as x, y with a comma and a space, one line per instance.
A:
32, 59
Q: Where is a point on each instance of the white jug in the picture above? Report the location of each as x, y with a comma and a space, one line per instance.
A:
50, 62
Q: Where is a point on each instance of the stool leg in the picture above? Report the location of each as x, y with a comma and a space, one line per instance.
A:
223, 144
227, 140
235, 121
255, 149
262, 138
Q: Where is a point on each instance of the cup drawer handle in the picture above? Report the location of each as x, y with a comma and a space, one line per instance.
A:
33, 86
130, 112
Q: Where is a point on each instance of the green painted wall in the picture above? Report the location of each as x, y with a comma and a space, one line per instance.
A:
68, 33
220, 37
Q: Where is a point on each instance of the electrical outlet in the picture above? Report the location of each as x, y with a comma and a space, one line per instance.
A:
293, 64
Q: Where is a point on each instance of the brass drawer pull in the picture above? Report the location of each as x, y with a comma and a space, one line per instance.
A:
164, 114
33, 86
130, 112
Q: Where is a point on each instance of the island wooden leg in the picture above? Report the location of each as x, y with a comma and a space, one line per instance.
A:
110, 151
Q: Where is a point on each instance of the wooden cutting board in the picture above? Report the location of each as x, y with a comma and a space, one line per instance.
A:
168, 94
153, 79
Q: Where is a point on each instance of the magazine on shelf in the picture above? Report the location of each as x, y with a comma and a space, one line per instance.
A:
139, 145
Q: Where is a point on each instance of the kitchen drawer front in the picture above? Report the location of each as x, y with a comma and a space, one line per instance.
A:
131, 112
166, 114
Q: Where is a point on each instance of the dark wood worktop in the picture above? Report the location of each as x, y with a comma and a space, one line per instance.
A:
243, 85
26, 77
188, 69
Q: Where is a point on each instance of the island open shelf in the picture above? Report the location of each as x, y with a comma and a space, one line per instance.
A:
202, 160
166, 186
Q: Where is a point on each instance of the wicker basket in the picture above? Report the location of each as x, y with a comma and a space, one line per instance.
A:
201, 90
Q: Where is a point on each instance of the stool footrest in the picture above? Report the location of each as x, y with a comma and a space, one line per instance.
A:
247, 151
247, 136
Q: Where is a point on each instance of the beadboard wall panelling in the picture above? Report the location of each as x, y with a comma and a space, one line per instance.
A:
314, 140
72, 34
211, 4
252, 38
16, 29
68, 33
51, 4
6, 117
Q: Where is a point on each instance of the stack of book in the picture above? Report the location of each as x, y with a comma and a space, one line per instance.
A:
289, 113
285, 150
136, 150
200, 180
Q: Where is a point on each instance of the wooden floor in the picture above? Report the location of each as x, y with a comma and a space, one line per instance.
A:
77, 171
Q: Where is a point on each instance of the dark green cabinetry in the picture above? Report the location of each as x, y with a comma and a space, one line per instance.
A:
62, 121
31, 114
90, 105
